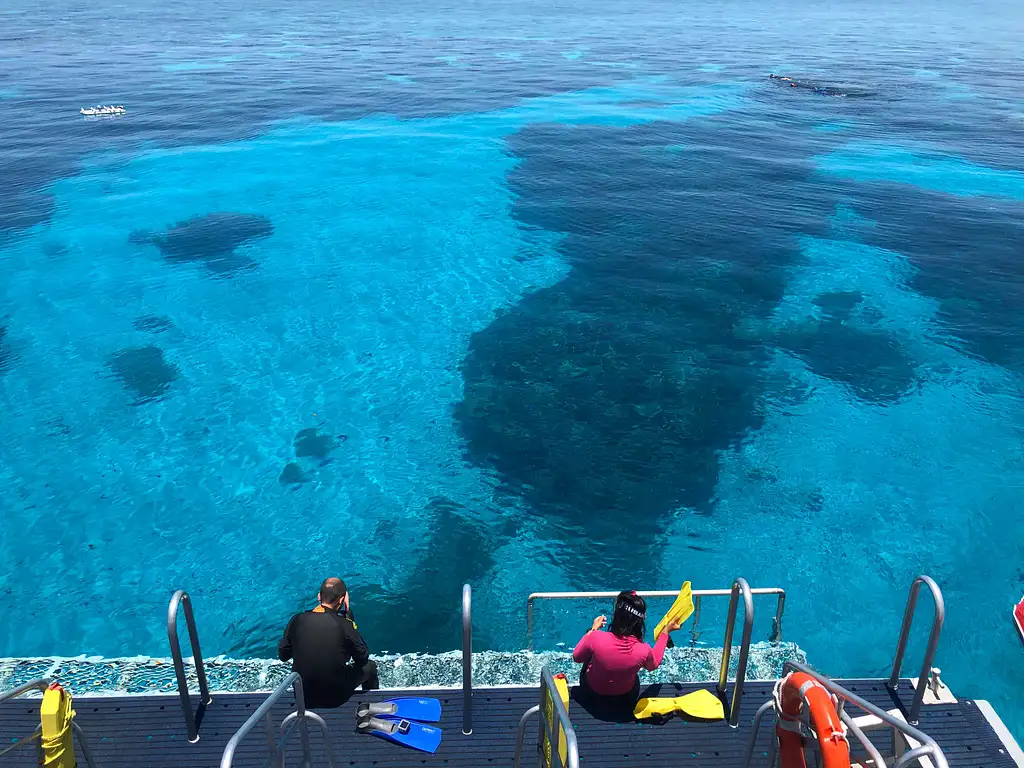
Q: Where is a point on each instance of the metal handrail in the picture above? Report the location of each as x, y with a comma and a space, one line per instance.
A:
521, 732
192, 719
295, 719
467, 659
752, 741
739, 587
769, 706
933, 641
775, 636
871, 749
41, 684
287, 727
572, 752
928, 746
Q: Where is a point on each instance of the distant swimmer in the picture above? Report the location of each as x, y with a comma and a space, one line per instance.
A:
790, 80
823, 90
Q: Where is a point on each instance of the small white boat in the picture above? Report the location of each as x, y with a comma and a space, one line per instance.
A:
103, 111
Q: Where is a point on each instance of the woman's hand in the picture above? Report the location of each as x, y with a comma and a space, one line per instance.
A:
673, 625
599, 622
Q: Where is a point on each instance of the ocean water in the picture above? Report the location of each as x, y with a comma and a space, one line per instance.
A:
528, 295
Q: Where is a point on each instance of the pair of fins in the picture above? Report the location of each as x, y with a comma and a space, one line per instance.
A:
402, 721
699, 705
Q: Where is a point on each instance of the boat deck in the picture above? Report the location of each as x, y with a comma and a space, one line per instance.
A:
129, 731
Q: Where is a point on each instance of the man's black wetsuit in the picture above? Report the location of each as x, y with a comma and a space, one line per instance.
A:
321, 642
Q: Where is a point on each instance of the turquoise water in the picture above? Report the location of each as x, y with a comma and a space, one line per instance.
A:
533, 296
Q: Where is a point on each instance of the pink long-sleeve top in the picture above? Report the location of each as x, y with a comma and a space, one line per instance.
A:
612, 662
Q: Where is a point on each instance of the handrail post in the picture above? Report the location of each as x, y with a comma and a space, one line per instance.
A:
293, 681
694, 631
529, 623
300, 709
739, 587
467, 659
869, 747
933, 641
521, 732
572, 750
776, 635
191, 720
83, 744
752, 741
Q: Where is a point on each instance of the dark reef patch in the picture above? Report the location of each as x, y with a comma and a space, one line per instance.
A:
871, 363
967, 253
457, 551
212, 239
605, 400
5, 350
292, 474
54, 250
311, 444
152, 324
144, 372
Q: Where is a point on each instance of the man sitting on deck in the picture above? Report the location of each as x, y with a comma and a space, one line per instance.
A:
321, 643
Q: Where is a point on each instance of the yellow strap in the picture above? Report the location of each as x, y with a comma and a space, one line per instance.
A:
55, 741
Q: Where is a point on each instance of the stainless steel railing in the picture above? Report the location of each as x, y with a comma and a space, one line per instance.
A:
467, 659
41, 684
297, 719
572, 752
192, 719
927, 746
933, 641
739, 588
775, 635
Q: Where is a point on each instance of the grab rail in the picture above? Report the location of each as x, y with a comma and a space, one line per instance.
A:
774, 637
467, 659
927, 748
572, 753
297, 718
41, 684
769, 706
739, 587
933, 641
192, 720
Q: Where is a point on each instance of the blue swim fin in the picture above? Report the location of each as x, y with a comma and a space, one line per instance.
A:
423, 710
425, 738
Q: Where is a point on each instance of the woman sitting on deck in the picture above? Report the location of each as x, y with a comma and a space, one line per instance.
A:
612, 660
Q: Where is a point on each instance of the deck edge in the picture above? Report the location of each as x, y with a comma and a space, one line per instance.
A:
995, 722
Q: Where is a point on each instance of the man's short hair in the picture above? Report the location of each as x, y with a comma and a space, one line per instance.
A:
332, 590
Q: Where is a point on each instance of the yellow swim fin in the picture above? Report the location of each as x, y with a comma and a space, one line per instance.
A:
701, 705
681, 610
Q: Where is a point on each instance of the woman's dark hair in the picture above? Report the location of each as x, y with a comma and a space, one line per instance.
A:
630, 613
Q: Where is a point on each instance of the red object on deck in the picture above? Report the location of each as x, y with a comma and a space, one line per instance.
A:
1018, 617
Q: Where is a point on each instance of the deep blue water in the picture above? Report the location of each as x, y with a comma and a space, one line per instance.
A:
530, 295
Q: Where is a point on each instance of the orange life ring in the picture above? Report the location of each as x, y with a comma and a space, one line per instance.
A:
792, 693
